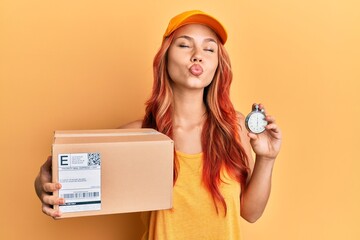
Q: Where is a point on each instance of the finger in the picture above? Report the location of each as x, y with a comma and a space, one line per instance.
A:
48, 210
260, 107
51, 187
273, 127
252, 136
270, 119
52, 200
253, 106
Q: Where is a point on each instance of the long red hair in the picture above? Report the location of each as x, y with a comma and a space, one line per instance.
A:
220, 134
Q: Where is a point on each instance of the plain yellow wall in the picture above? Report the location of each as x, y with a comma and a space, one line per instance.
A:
88, 64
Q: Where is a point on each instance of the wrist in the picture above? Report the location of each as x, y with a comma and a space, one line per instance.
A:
266, 159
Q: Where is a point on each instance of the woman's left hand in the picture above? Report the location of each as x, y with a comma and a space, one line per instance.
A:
267, 144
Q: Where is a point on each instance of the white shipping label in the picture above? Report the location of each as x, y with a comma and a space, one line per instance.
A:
80, 177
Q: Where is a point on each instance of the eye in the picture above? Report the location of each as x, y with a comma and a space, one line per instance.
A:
184, 46
209, 50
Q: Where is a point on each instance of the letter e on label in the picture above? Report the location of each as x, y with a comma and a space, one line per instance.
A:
64, 160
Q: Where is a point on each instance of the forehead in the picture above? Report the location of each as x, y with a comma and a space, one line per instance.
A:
196, 30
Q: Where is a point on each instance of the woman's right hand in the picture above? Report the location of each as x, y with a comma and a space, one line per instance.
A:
44, 189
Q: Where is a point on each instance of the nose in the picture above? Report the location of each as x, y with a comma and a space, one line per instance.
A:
196, 57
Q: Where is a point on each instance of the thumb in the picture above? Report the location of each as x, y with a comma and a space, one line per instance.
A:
252, 136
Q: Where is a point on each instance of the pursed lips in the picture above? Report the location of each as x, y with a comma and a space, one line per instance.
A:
196, 70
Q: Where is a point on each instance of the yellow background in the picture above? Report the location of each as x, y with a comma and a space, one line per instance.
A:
88, 64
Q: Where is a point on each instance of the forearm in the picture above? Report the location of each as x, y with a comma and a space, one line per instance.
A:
256, 194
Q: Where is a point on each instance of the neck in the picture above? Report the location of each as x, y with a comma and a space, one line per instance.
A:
189, 107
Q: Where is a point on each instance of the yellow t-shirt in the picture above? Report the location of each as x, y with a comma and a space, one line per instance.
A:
193, 215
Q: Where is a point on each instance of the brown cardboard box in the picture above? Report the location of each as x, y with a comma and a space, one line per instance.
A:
113, 171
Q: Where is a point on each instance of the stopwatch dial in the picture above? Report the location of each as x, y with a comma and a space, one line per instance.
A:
257, 122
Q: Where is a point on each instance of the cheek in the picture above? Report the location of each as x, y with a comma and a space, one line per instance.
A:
174, 66
213, 66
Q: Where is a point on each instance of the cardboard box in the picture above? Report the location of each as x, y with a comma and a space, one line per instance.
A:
113, 171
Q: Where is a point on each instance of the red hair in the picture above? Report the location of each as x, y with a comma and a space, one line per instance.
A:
220, 134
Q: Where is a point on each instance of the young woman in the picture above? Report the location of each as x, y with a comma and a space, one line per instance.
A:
216, 181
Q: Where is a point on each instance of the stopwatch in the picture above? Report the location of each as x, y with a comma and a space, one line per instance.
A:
255, 121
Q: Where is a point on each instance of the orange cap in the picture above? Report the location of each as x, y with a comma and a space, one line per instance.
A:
196, 16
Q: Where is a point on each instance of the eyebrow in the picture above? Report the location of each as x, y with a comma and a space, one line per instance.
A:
191, 39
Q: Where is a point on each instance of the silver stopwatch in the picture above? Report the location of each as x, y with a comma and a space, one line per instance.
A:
255, 121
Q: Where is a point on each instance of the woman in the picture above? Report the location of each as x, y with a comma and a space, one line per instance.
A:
215, 178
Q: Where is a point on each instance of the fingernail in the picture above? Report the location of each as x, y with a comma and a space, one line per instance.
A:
58, 214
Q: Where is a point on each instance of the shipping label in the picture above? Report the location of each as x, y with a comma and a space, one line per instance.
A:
80, 177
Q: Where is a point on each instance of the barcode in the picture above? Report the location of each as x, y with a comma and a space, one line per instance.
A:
81, 195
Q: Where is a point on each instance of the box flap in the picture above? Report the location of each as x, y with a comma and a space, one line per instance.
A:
108, 136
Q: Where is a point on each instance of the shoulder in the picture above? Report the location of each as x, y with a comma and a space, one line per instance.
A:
240, 118
134, 124
242, 128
